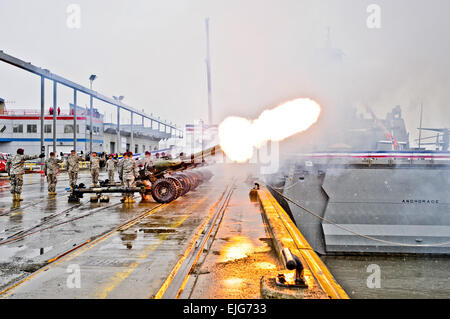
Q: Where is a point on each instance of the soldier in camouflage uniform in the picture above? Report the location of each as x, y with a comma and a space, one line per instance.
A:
120, 166
95, 168
51, 171
120, 172
110, 167
147, 162
73, 167
129, 173
15, 169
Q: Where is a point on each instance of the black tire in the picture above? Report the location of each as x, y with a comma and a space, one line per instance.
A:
178, 185
197, 179
164, 190
184, 182
192, 180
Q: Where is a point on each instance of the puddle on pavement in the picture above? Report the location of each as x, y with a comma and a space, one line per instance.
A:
9, 253
157, 230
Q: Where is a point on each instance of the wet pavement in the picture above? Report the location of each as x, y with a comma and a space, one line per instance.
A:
51, 225
133, 261
240, 256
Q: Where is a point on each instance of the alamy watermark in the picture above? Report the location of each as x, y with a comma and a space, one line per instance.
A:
374, 279
74, 279
73, 16
374, 19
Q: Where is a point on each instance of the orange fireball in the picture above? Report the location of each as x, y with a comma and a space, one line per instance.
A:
239, 136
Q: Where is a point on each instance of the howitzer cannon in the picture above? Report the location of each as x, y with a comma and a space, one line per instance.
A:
167, 180
172, 178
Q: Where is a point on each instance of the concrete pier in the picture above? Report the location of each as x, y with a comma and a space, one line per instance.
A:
211, 243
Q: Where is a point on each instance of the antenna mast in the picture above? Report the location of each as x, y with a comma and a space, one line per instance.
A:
420, 124
208, 74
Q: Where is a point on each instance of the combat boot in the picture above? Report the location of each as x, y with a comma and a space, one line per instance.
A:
14, 197
131, 199
18, 198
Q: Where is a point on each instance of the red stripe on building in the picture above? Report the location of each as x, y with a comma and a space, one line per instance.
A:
46, 118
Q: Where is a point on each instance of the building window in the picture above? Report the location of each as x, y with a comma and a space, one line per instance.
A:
47, 128
143, 148
136, 148
68, 128
18, 128
31, 128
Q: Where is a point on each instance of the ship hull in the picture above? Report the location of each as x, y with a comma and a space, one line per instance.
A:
396, 209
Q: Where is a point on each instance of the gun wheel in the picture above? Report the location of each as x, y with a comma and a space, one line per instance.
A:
178, 185
185, 184
195, 180
164, 190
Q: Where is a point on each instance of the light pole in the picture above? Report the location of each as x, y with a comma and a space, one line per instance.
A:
119, 100
91, 78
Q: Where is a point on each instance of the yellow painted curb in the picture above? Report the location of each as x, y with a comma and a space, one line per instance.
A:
287, 235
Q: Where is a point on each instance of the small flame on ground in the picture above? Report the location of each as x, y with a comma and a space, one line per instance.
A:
238, 136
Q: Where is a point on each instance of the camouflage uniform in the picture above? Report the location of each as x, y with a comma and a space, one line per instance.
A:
95, 169
51, 170
120, 172
148, 163
129, 172
15, 169
120, 169
73, 168
110, 167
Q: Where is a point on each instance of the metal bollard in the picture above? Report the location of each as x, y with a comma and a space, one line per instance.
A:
292, 262
254, 193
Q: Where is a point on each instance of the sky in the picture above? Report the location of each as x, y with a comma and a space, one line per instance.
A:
262, 54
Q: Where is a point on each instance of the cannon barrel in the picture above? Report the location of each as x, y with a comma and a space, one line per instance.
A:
168, 166
107, 190
200, 156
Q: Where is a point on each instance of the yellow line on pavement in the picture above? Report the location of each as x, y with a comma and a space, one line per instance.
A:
198, 233
120, 276
55, 261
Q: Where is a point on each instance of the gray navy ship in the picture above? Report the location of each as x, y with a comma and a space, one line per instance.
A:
388, 198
